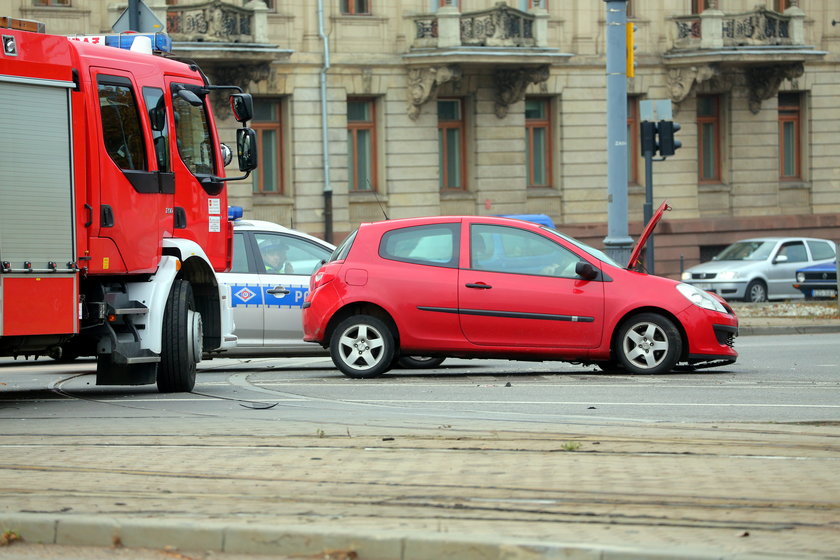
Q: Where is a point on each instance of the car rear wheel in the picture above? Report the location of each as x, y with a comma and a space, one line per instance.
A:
419, 362
648, 343
756, 292
362, 346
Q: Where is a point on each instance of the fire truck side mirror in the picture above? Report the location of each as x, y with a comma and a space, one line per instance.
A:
246, 148
242, 105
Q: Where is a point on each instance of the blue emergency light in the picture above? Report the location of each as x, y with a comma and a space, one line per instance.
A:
234, 213
161, 42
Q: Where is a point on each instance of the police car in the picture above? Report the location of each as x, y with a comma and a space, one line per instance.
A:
266, 299
267, 296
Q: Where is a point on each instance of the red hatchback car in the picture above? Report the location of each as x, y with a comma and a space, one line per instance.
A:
488, 287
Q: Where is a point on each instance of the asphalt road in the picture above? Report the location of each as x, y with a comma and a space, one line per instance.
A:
741, 459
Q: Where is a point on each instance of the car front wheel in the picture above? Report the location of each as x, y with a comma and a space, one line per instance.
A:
756, 292
362, 346
648, 343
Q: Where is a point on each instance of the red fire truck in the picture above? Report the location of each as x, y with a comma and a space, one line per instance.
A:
113, 206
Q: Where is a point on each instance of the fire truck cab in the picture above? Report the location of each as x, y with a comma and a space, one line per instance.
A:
114, 206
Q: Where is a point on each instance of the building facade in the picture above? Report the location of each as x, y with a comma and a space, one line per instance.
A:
367, 109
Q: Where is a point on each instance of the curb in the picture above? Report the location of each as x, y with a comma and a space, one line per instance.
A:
744, 330
257, 539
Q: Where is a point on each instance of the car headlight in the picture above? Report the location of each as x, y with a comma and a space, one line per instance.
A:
700, 298
728, 275
686, 276
800, 277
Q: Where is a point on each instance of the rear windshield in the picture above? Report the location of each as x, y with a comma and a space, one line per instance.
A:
341, 251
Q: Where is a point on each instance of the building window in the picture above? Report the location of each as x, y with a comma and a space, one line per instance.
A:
268, 177
631, 9
355, 7
633, 148
708, 141
790, 136
781, 5
51, 3
538, 141
451, 131
444, 3
697, 6
361, 143
531, 4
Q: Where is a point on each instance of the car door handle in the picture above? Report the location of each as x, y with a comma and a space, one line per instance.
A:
480, 286
278, 290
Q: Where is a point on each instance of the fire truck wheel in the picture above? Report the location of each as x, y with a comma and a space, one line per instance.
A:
182, 339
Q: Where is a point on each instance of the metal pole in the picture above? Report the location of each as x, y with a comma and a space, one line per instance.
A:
618, 243
648, 209
133, 15
325, 138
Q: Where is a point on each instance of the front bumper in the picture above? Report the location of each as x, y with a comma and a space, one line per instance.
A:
710, 335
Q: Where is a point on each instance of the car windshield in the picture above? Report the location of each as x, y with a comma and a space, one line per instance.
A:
746, 251
597, 253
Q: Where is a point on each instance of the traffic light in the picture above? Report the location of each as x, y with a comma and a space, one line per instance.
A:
667, 144
631, 50
648, 131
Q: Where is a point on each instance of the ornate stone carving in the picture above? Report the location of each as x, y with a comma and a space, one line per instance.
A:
210, 21
512, 83
763, 81
423, 84
681, 80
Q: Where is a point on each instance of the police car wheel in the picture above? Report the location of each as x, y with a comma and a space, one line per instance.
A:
182, 337
362, 346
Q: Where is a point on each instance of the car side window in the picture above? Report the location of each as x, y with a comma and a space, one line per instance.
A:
512, 250
795, 252
434, 245
821, 250
240, 256
284, 254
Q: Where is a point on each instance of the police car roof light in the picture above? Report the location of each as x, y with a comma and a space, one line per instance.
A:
234, 213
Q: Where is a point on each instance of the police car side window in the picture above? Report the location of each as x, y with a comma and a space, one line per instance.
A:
434, 245
240, 256
121, 129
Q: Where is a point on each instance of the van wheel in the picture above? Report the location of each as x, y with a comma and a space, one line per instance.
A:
648, 343
182, 341
362, 346
419, 362
756, 292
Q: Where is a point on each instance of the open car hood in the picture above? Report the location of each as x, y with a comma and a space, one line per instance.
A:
634, 256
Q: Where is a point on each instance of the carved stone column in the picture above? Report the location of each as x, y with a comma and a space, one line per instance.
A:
512, 83
423, 84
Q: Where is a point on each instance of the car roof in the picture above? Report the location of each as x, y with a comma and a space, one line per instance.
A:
782, 239
262, 225
427, 220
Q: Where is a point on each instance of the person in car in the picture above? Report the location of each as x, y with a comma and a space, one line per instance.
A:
274, 257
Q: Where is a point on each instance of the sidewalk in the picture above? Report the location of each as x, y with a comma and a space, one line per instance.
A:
787, 318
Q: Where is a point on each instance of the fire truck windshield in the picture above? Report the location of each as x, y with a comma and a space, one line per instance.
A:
192, 131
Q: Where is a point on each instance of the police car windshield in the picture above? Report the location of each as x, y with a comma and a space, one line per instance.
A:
597, 253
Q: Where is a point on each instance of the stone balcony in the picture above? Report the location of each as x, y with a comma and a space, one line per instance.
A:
228, 40
715, 51
511, 43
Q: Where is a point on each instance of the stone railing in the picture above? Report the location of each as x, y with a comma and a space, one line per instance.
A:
214, 21
760, 27
500, 26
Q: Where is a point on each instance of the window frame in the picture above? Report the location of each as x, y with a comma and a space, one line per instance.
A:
633, 140
461, 126
793, 115
260, 127
352, 7
353, 128
715, 121
547, 125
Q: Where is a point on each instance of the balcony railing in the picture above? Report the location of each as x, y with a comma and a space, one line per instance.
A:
211, 21
761, 27
500, 26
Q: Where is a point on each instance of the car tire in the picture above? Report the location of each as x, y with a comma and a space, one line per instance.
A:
419, 362
648, 343
362, 346
756, 292
182, 336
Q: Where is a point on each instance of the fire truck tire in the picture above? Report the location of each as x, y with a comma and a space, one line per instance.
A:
182, 340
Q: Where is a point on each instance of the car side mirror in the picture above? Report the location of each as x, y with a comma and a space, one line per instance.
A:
246, 148
586, 270
781, 259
